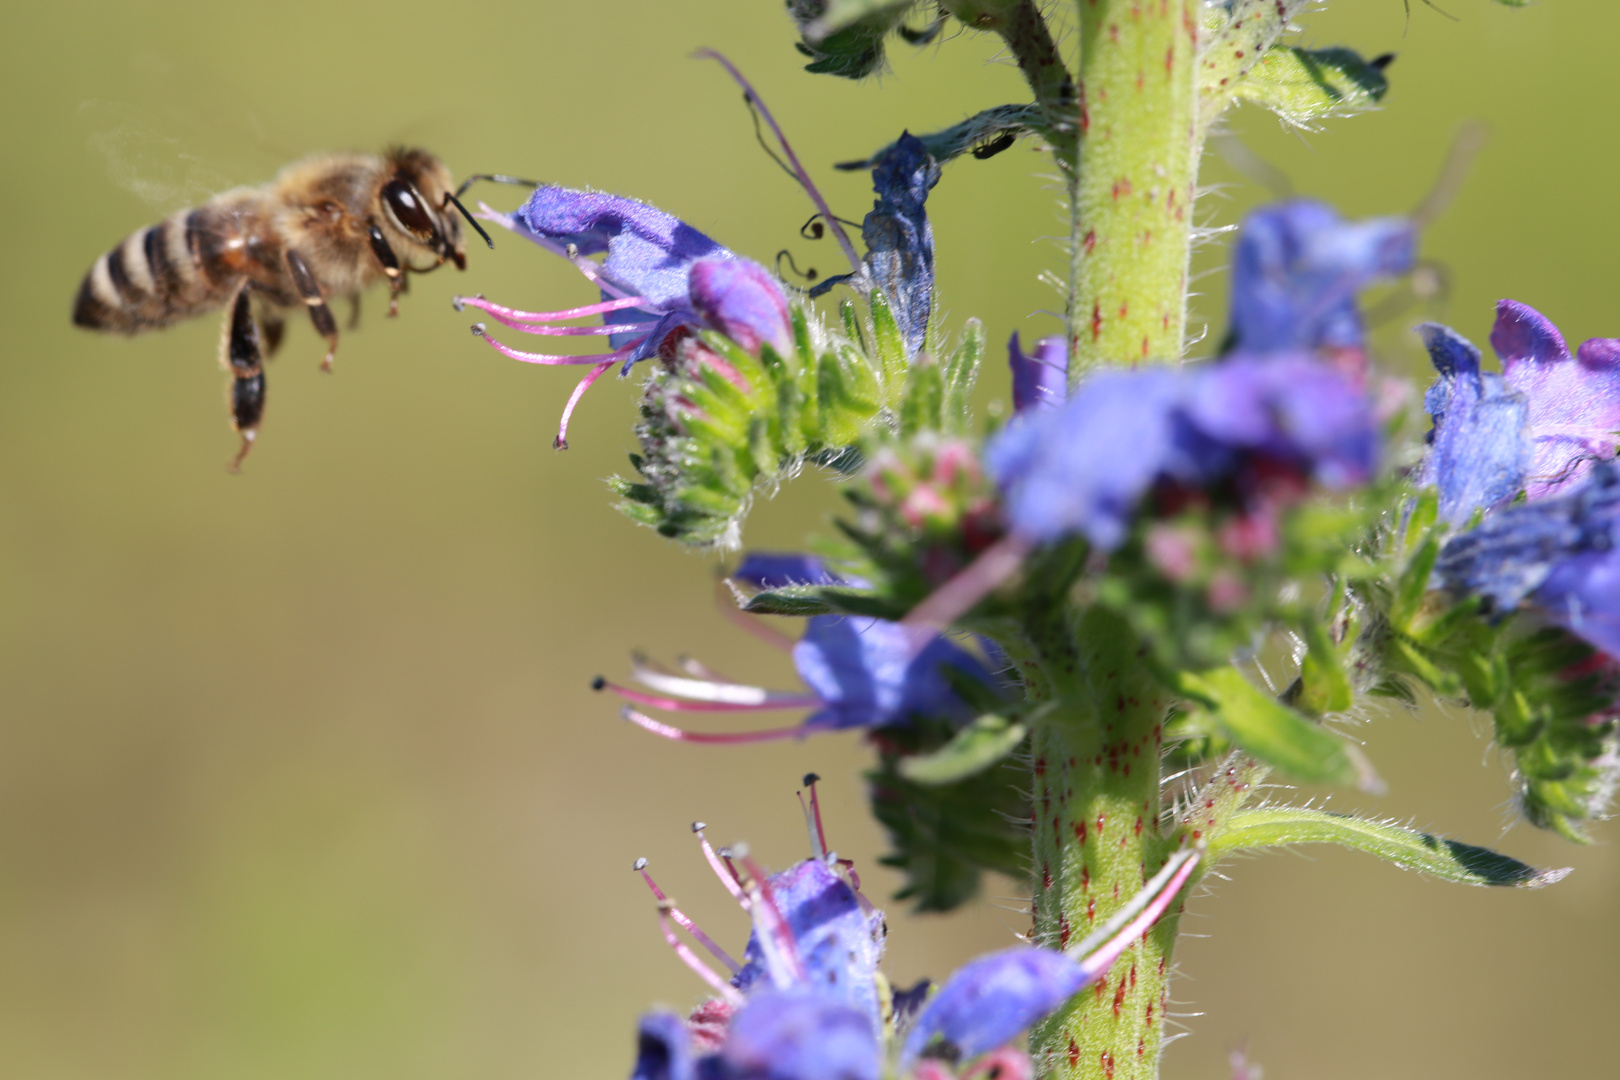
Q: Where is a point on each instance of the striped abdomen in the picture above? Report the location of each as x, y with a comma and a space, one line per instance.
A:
186, 264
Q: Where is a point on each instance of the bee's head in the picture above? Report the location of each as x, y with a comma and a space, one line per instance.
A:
418, 201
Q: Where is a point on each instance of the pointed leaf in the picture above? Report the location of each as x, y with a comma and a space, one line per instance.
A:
975, 748
1306, 85
1268, 729
1410, 849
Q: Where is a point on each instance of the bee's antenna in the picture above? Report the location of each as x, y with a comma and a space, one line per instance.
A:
479, 229
494, 178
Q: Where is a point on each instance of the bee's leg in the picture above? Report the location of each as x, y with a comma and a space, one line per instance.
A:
243, 358
271, 326
354, 311
319, 313
390, 264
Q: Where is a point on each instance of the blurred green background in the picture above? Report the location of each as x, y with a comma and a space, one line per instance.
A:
299, 770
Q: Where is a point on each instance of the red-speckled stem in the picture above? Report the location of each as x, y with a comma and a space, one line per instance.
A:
1137, 173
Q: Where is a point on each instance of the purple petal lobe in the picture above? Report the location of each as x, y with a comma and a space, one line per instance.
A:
801, 1034
663, 1048
775, 570
649, 252
1582, 594
990, 1000
740, 298
1479, 451
838, 942
1041, 380
1574, 401
1297, 268
869, 673
899, 239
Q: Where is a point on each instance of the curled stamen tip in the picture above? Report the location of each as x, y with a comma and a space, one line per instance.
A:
458, 302
724, 853
559, 443
639, 864
479, 329
699, 826
811, 778
598, 683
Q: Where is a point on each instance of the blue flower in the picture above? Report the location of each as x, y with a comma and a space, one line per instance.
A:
1297, 268
1042, 380
1083, 468
660, 281
1479, 448
808, 1002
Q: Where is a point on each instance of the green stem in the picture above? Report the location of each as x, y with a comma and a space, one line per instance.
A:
1023, 27
1139, 143
1097, 838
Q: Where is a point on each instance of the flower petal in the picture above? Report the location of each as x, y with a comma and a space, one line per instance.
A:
988, 1001
663, 1048
775, 570
740, 298
1041, 380
801, 1035
870, 673
1480, 446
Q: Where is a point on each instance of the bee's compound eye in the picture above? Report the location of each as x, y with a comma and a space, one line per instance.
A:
408, 209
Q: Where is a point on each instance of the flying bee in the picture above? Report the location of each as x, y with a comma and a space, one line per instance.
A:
326, 226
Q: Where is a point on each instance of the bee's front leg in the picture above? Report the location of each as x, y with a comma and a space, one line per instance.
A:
241, 355
319, 314
390, 265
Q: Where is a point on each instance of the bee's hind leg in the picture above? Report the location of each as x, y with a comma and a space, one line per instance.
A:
242, 356
319, 314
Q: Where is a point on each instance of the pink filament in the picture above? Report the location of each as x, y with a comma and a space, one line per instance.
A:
957, 596
695, 962
561, 441
722, 870
1103, 958
689, 926
776, 935
547, 358
509, 316
655, 701
667, 731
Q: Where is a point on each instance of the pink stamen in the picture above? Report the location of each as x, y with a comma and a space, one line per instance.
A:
709, 690
667, 731
722, 870
509, 316
804, 177
1149, 904
774, 701
957, 596
551, 358
700, 670
561, 441
812, 818
690, 958
854, 881
605, 330
675, 913
776, 937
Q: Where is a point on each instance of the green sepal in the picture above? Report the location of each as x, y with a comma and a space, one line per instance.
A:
1266, 728
1306, 85
924, 398
981, 744
1324, 682
1410, 849
943, 837
888, 342
960, 373
846, 37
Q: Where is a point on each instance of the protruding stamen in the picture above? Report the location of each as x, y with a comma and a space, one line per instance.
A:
781, 140
719, 692
561, 441
1139, 914
665, 904
552, 358
675, 734
957, 596
775, 937
713, 699
722, 870
512, 316
812, 818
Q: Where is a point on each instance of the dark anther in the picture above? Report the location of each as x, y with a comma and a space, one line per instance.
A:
1382, 62
478, 329
809, 275
813, 229
995, 146
639, 864
699, 826
598, 683
457, 302
811, 778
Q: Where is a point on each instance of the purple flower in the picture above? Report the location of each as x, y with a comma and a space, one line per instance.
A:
1042, 380
1479, 449
805, 1004
660, 280
777, 570
1297, 268
1083, 468
1574, 401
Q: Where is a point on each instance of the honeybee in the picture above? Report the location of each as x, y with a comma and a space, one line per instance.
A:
326, 226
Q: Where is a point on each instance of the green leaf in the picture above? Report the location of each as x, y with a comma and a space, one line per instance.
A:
1235, 36
1325, 685
890, 343
1278, 826
1268, 729
974, 749
844, 13
1306, 85
985, 134
961, 372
